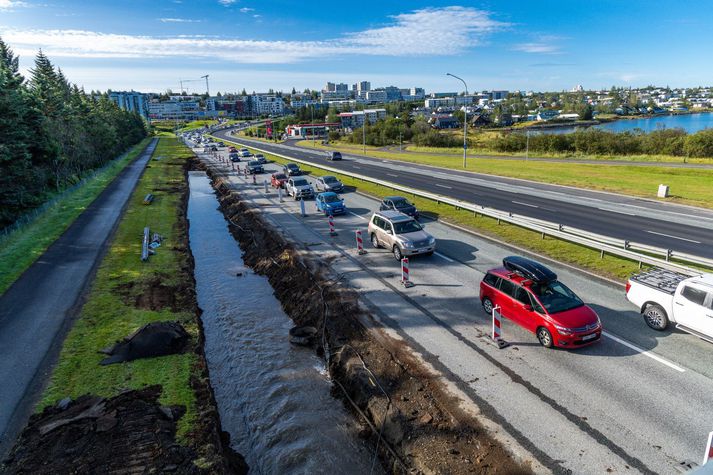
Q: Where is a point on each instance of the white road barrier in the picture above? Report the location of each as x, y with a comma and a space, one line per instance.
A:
709, 449
359, 243
405, 279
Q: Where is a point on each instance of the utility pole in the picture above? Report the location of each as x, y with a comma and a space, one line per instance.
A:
311, 109
207, 89
363, 133
400, 142
527, 145
465, 122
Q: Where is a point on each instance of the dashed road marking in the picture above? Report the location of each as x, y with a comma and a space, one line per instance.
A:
643, 352
444, 186
674, 237
525, 204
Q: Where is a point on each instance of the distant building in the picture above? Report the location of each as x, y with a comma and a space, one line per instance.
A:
174, 110
393, 93
329, 87
437, 95
353, 120
341, 88
335, 96
376, 96
444, 121
418, 93
435, 103
310, 130
131, 101
498, 95
546, 115
268, 104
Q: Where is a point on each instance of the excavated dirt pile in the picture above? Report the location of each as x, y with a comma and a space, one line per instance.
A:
422, 428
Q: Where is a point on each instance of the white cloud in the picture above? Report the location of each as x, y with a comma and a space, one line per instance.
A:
227, 3
547, 44
247, 10
443, 31
11, 4
178, 20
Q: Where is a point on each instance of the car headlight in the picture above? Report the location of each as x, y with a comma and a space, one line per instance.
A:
431, 241
564, 330
407, 244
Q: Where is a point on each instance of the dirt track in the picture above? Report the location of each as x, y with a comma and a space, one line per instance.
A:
421, 427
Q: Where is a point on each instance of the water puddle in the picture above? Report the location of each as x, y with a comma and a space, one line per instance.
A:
273, 398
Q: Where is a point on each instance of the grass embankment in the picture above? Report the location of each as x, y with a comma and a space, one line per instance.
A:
111, 311
688, 185
23, 246
580, 256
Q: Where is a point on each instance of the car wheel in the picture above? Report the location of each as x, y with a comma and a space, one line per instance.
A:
488, 306
397, 253
375, 241
656, 317
545, 337
429, 253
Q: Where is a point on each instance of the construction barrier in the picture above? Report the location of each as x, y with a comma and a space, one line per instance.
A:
709, 449
264, 182
302, 208
279, 193
405, 280
359, 243
332, 232
497, 328
254, 180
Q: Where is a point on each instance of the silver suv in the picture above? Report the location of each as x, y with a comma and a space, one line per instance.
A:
400, 233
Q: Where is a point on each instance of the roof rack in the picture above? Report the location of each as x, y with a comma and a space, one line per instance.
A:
529, 269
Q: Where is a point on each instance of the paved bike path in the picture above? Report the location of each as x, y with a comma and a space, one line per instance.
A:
37, 310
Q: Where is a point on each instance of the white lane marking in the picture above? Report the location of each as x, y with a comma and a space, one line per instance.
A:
524, 204
444, 186
391, 174
357, 215
643, 352
443, 257
674, 237
617, 212
357, 167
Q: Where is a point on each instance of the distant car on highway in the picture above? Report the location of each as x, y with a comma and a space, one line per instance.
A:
261, 158
278, 180
400, 233
245, 153
292, 169
255, 167
664, 297
330, 203
399, 203
329, 183
299, 188
331, 155
529, 294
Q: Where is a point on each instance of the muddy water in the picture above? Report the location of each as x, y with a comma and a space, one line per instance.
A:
273, 398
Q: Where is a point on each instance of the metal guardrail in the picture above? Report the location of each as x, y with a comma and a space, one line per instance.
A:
604, 244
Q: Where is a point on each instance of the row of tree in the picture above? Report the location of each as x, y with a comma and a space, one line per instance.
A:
52, 133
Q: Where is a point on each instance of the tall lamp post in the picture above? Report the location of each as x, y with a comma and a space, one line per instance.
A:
465, 122
363, 134
311, 109
400, 142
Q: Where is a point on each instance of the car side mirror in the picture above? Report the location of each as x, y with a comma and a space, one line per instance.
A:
527, 307
388, 231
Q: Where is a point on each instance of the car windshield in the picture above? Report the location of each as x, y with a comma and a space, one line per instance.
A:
555, 296
401, 203
253, 163
280, 176
301, 182
292, 167
404, 227
330, 180
331, 199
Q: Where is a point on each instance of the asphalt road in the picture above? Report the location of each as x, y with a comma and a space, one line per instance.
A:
681, 228
636, 402
37, 310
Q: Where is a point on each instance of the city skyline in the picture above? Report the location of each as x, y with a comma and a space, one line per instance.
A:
550, 46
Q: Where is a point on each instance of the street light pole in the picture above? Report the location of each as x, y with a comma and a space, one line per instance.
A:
465, 123
312, 121
399, 119
527, 145
363, 134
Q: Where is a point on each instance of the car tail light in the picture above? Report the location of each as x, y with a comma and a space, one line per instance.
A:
628, 286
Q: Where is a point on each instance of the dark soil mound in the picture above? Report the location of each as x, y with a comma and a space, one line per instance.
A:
155, 294
153, 339
129, 434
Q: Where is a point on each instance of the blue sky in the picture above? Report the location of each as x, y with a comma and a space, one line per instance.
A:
256, 45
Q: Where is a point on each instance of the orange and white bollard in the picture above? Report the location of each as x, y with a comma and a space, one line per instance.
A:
359, 243
708, 456
497, 328
254, 180
246, 172
332, 232
405, 280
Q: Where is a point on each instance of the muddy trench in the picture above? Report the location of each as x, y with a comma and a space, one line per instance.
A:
405, 413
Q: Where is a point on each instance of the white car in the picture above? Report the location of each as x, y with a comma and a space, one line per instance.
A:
299, 188
665, 297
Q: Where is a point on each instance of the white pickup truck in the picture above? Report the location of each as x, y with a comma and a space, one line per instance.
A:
299, 188
663, 296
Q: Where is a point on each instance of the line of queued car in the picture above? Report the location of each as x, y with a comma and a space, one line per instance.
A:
522, 290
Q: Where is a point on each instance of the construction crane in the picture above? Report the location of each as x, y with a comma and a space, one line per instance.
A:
207, 89
182, 81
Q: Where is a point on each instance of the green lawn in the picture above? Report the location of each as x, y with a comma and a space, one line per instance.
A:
609, 266
109, 312
23, 246
688, 185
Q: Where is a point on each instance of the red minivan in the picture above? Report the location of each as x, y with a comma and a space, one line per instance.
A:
530, 295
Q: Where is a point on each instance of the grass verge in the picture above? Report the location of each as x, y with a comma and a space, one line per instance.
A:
22, 247
609, 266
111, 310
689, 186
